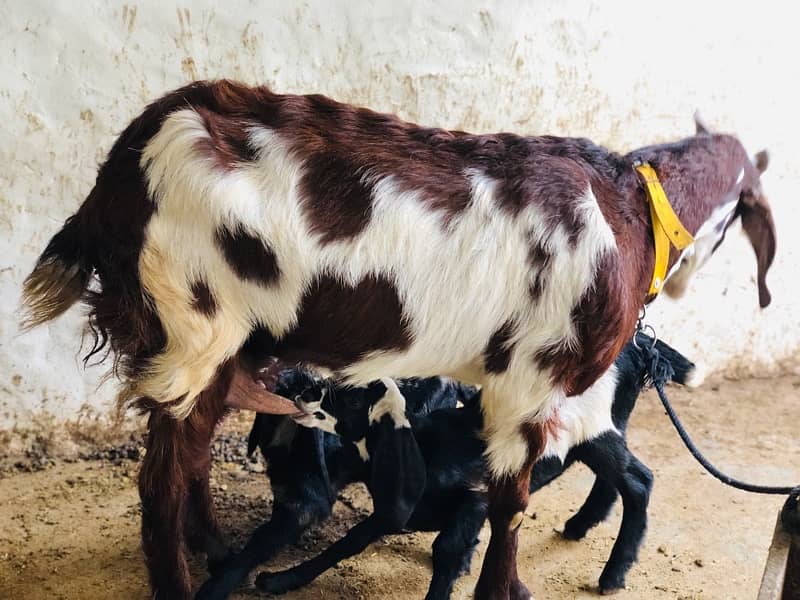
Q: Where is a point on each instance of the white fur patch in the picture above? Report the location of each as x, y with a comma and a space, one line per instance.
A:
584, 417
393, 404
314, 416
696, 376
697, 254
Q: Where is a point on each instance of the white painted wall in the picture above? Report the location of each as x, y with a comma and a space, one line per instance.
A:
74, 73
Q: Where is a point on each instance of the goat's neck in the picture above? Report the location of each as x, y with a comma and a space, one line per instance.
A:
698, 174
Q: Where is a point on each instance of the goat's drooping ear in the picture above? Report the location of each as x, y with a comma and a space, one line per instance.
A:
759, 226
700, 125
761, 161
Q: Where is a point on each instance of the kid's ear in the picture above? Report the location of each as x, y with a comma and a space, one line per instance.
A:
398, 472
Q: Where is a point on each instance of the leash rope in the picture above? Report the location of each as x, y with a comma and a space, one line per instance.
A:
659, 372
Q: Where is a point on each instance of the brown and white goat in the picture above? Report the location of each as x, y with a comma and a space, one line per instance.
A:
364, 246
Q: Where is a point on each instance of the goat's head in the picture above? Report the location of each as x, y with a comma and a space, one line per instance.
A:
340, 410
745, 199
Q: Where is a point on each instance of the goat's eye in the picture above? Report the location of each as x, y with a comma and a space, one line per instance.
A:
309, 396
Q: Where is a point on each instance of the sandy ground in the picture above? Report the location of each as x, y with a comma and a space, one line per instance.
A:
70, 530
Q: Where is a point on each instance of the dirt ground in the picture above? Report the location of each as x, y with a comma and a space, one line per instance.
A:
70, 529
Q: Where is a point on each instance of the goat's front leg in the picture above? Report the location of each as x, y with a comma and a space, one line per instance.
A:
455, 544
396, 482
355, 541
512, 449
508, 498
594, 510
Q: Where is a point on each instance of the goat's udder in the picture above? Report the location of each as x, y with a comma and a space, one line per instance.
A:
248, 392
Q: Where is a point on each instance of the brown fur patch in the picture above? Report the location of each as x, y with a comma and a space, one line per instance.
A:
227, 143
603, 320
498, 351
202, 299
539, 259
336, 196
552, 174
338, 324
697, 174
249, 256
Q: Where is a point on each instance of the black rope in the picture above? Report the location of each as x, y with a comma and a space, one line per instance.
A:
659, 372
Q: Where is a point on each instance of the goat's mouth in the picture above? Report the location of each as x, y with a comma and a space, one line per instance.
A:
312, 415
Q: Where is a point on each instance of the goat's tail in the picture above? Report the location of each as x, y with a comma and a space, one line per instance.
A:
685, 372
60, 277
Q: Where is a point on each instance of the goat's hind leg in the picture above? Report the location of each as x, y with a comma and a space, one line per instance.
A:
198, 341
202, 529
354, 542
162, 489
177, 459
608, 456
594, 510
305, 500
634, 487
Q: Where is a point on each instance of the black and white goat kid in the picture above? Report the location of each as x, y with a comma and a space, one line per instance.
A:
423, 463
307, 468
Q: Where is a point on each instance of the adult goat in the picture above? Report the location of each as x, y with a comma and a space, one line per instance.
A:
228, 216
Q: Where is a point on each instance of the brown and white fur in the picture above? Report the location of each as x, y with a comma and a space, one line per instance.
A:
366, 247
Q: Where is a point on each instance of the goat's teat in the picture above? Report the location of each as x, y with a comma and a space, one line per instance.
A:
249, 392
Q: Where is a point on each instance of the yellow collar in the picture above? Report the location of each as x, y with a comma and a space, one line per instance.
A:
667, 227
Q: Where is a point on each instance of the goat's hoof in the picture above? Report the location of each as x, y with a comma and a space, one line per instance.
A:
573, 532
220, 585
213, 589
277, 583
217, 564
518, 591
611, 585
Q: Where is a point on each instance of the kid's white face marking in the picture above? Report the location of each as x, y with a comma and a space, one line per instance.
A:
696, 376
319, 419
313, 415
